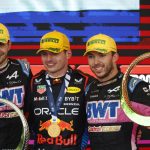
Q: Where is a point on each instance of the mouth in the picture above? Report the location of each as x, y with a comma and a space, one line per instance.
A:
50, 64
98, 68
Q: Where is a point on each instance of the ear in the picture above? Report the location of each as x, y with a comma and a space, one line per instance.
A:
68, 54
115, 57
9, 45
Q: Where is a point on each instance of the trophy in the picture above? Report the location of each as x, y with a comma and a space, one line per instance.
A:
25, 133
125, 102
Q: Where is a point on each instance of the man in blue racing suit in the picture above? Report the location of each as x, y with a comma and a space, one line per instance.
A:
108, 126
14, 79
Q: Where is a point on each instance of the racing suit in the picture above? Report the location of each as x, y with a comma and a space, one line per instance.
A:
108, 126
14, 79
71, 115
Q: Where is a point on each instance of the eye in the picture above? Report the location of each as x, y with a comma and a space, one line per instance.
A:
43, 53
90, 56
2, 45
55, 54
102, 55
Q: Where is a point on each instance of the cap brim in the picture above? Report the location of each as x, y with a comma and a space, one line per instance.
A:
40, 50
94, 51
85, 54
2, 41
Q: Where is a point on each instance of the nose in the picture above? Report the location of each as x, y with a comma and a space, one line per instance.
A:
96, 60
50, 56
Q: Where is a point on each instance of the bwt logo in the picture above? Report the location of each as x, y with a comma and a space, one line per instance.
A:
14, 94
100, 109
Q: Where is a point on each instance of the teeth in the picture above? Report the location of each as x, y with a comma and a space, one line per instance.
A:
98, 68
50, 64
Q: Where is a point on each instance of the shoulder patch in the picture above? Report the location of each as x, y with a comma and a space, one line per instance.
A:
133, 83
25, 66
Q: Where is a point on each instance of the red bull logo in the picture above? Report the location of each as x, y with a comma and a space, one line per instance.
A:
58, 140
62, 124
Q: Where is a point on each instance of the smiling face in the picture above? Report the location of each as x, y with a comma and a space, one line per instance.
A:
4, 48
56, 63
103, 65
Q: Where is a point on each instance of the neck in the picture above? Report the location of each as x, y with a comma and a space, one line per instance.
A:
4, 63
58, 74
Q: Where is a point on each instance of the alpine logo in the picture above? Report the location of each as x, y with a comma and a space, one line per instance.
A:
114, 90
14, 75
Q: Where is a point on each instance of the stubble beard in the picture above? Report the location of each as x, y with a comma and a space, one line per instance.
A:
107, 73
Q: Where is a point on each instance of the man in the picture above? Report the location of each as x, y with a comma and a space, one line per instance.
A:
57, 106
108, 126
14, 78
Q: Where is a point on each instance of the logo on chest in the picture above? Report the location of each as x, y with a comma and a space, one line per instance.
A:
14, 94
103, 109
41, 89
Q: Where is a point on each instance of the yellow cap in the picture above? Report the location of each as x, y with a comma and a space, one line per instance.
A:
54, 42
4, 34
101, 43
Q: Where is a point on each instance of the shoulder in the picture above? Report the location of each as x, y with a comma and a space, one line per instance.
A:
82, 74
83, 77
14, 62
39, 75
89, 80
38, 79
23, 65
136, 84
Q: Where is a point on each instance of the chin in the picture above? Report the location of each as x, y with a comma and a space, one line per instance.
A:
100, 75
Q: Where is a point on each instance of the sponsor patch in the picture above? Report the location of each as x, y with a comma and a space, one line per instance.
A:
104, 128
72, 89
72, 140
41, 89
